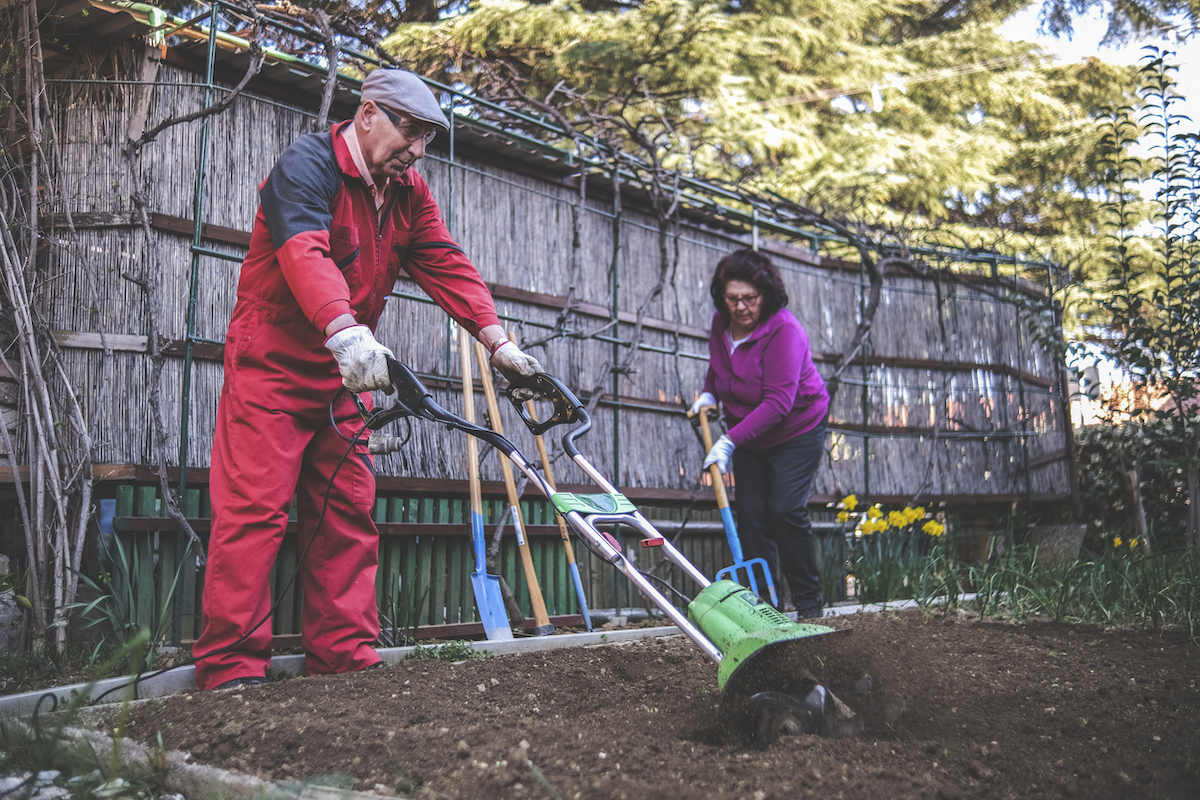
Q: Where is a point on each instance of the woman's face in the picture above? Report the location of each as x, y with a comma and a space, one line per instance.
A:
744, 303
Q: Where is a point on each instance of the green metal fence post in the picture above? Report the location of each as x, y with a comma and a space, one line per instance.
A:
181, 540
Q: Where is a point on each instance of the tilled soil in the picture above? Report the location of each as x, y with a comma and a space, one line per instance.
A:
957, 708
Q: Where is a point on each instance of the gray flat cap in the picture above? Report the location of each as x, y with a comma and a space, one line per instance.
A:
400, 90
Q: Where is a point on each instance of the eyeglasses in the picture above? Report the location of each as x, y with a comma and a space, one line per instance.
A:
409, 130
751, 300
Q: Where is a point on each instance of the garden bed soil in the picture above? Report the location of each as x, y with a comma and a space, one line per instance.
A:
958, 708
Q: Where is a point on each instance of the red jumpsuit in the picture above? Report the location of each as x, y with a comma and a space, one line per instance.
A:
318, 250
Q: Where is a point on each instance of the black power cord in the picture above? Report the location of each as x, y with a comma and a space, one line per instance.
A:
354, 441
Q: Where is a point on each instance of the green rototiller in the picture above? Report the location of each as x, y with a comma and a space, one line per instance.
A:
765, 691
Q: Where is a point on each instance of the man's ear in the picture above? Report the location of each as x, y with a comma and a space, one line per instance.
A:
368, 111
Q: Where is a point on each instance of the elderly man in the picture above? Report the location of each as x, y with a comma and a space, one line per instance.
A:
341, 214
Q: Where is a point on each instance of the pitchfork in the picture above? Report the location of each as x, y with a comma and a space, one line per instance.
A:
740, 566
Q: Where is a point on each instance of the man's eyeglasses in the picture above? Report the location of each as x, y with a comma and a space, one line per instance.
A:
751, 300
409, 130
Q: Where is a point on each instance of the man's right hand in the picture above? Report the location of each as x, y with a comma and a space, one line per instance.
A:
361, 360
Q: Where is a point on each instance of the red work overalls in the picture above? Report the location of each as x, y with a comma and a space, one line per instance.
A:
319, 249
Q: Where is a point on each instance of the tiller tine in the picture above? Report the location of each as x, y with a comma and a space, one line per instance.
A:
766, 688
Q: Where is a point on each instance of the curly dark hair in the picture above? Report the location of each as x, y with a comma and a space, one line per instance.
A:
754, 268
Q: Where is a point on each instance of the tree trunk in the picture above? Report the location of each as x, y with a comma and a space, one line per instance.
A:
1139, 510
1193, 484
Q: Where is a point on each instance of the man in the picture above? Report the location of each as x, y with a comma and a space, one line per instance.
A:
341, 214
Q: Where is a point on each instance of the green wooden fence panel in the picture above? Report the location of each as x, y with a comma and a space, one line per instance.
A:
421, 580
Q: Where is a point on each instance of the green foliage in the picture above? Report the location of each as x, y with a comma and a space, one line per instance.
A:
1104, 488
778, 95
895, 555
34, 748
832, 565
1120, 585
940, 577
116, 610
882, 564
1153, 296
10, 583
1150, 318
451, 651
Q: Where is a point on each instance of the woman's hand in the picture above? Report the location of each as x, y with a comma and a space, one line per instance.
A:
705, 399
720, 454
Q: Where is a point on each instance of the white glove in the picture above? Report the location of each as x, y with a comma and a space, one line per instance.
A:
513, 363
381, 444
720, 454
705, 399
361, 360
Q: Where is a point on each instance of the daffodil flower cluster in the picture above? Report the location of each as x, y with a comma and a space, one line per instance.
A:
875, 520
934, 528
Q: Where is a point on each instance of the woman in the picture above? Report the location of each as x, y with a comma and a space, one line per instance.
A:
761, 369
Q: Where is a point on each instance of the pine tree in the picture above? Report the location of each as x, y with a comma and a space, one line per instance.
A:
898, 111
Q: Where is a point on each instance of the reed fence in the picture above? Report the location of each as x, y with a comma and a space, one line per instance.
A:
952, 400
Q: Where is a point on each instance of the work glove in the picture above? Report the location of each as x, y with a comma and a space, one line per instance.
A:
361, 360
720, 454
380, 443
705, 399
514, 364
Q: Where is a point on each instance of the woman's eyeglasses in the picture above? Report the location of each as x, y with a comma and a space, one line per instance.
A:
750, 300
409, 130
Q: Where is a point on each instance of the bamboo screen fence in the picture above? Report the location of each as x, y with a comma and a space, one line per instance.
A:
956, 400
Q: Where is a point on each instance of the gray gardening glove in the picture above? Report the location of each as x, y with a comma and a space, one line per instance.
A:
361, 360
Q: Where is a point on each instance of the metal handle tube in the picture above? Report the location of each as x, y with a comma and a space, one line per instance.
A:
517, 458
643, 526
593, 473
584, 527
673, 555
596, 538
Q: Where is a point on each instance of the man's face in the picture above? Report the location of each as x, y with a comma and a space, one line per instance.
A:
391, 141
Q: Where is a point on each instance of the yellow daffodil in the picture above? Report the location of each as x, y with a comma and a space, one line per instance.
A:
850, 502
934, 528
871, 526
1117, 542
874, 512
1133, 542
842, 516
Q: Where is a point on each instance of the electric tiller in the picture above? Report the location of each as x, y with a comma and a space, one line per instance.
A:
765, 691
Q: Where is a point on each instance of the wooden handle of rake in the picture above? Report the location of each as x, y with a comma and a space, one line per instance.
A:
714, 470
541, 618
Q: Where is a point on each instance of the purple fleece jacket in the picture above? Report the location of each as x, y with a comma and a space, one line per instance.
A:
769, 386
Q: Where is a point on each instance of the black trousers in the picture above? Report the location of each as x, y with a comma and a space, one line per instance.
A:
772, 487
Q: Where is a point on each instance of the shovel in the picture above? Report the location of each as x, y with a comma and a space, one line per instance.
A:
735, 571
541, 619
487, 587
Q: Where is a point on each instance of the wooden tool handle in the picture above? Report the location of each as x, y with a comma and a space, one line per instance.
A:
540, 616
468, 388
714, 470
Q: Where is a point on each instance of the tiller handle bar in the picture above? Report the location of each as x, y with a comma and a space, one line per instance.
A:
582, 513
414, 400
